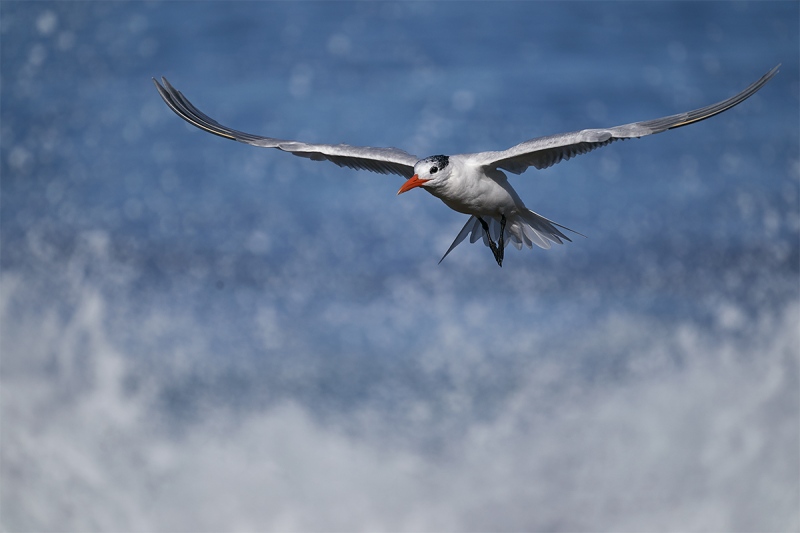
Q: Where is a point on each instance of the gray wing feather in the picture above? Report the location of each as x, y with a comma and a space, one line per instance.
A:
544, 152
380, 160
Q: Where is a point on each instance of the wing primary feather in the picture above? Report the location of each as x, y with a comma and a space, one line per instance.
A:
379, 160
544, 152
684, 119
169, 97
189, 112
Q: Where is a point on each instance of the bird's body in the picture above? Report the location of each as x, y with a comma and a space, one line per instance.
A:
473, 184
473, 190
484, 193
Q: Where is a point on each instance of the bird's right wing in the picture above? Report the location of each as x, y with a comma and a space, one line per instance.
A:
544, 152
381, 160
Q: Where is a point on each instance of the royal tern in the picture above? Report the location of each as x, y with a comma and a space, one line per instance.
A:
473, 184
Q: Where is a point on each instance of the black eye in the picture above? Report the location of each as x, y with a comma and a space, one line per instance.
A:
434, 170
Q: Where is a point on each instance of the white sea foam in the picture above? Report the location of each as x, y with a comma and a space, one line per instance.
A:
693, 431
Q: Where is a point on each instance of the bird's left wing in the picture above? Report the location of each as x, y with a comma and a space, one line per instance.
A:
544, 152
381, 160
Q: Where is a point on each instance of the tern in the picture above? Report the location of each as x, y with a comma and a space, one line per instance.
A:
473, 184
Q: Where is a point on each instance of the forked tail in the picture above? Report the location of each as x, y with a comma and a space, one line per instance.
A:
526, 228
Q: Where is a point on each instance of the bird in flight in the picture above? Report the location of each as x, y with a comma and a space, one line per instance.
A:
473, 184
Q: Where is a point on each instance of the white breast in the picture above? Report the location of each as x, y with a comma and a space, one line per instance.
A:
473, 191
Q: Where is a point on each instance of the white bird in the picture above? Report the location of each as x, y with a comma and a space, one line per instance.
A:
473, 184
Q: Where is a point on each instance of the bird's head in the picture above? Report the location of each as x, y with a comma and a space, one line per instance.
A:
428, 172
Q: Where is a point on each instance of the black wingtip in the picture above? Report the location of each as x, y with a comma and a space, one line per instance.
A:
774, 70
161, 90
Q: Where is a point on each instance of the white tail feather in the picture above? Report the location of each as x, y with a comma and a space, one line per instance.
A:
526, 228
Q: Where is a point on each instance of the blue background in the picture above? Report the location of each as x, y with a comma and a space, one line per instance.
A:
198, 335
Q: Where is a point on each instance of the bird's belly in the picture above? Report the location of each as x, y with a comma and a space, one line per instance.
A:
483, 198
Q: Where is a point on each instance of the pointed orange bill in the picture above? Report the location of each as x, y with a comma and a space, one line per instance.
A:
414, 181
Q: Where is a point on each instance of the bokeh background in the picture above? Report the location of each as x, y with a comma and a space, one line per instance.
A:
198, 335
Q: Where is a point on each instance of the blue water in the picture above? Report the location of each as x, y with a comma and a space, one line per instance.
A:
202, 335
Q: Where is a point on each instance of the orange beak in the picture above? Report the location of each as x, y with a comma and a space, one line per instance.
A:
414, 181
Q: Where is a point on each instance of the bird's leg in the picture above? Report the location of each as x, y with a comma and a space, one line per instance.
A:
498, 254
501, 245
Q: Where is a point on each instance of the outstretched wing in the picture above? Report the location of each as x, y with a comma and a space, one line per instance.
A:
544, 152
381, 160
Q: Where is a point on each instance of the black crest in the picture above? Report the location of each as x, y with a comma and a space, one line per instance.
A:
440, 161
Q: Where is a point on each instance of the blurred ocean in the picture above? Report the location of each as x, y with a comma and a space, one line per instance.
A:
197, 335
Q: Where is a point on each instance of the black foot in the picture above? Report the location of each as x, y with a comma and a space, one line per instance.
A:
497, 249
